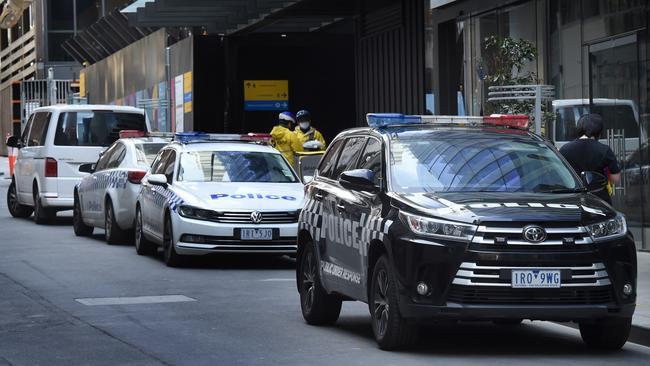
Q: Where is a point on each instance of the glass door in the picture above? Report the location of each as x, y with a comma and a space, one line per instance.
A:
615, 84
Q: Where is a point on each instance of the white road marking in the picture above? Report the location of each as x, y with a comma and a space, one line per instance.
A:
93, 301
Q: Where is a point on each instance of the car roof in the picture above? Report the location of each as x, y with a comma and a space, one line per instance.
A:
441, 131
577, 102
88, 107
145, 140
224, 146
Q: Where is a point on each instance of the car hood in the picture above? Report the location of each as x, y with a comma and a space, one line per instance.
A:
242, 196
476, 207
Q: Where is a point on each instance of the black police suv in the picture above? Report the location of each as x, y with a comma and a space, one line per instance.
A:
430, 221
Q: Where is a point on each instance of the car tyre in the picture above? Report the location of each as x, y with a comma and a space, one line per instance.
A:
142, 245
172, 259
42, 215
15, 208
608, 334
80, 229
112, 231
391, 330
318, 307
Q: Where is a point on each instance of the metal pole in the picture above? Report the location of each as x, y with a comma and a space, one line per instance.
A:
538, 109
51, 87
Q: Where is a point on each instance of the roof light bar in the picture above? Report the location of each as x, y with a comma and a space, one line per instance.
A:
132, 133
378, 120
186, 137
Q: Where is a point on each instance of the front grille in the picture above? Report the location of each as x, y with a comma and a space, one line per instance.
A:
500, 235
512, 296
579, 275
244, 217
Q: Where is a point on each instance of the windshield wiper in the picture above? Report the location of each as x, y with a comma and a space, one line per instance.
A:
565, 190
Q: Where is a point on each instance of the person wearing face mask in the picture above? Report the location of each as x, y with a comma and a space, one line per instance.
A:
306, 133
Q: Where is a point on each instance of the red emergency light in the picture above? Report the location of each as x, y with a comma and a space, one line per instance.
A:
519, 121
264, 138
132, 133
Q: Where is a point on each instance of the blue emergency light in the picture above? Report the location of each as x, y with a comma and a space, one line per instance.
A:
391, 119
184, 137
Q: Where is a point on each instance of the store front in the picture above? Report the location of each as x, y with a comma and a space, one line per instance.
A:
595, 53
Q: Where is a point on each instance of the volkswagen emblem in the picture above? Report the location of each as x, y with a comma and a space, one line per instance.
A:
534, 234
256, 217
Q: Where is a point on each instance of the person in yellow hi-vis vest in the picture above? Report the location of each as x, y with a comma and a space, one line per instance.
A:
305, 132
283, 139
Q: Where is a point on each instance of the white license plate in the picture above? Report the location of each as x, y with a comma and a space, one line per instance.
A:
256, 234
536, 278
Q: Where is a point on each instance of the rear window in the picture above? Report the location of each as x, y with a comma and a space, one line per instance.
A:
146, 152
615, 116
95, 128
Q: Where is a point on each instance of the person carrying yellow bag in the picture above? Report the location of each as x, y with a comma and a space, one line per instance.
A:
305, 132
586, 153
283, 139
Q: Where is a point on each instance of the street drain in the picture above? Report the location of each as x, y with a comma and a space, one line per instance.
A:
94, 301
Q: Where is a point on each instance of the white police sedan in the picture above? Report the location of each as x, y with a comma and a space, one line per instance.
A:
218, 194
106, 197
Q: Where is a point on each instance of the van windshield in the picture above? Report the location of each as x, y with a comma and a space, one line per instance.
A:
95, 128
615, 116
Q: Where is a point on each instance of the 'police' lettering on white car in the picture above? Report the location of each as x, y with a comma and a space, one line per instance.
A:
252, 196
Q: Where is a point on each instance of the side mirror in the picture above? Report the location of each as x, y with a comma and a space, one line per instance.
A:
593, 180
87, 168
157, 180
358, 180
307, 178
14, 141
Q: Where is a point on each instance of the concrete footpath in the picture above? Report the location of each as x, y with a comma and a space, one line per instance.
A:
641, 321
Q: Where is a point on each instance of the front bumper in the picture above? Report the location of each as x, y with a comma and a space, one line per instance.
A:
472, 282
223, 238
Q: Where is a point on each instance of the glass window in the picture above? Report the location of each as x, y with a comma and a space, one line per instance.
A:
371, 159
329, 160
105, 157
39, 129
117, 156
146, 152
28, 126
448, 163
60, 15
87, 13
234, 166
158, 165
54, 50
349, 155
170, 164
95, 128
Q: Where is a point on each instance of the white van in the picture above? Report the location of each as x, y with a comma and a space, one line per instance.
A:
618, 114
56, 141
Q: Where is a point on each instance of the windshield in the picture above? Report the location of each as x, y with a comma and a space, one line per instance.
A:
477, 164
234, 166
146, 152
95, 128
615, 116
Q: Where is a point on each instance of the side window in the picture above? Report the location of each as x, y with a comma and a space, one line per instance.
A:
159, 162
28, 126
169, 166
371, 159
349, 155
39, 129
102, 163
329, 160
119, 152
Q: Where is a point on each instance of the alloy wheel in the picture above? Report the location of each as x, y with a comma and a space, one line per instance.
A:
380, 303
308, 280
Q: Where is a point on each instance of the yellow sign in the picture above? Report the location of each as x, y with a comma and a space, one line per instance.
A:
187, 92
82, 84
266, 90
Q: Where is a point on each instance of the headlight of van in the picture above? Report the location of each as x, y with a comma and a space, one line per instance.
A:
439, 228
608, 229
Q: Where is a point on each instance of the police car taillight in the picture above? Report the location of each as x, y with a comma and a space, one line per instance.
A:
507, 120
132, 133
135, 176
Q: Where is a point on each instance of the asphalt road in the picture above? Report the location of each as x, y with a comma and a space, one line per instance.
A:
245, 312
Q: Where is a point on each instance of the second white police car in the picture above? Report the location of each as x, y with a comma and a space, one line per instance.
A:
210, 193
106, 198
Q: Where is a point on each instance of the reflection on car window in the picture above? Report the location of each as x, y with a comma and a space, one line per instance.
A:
95, 128
476, 164
146, 152
326, 166
234, 166
349, 155
371, 159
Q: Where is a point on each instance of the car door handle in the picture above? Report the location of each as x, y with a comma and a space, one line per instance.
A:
340, 207
318, 197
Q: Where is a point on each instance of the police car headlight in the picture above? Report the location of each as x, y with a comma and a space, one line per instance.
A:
195, 213
609, 229
439, 228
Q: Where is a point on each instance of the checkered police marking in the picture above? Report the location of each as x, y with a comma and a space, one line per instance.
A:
350, 233
116, 179
166, 195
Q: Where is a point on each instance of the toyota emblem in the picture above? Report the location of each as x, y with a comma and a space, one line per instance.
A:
534, 234
256, 217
